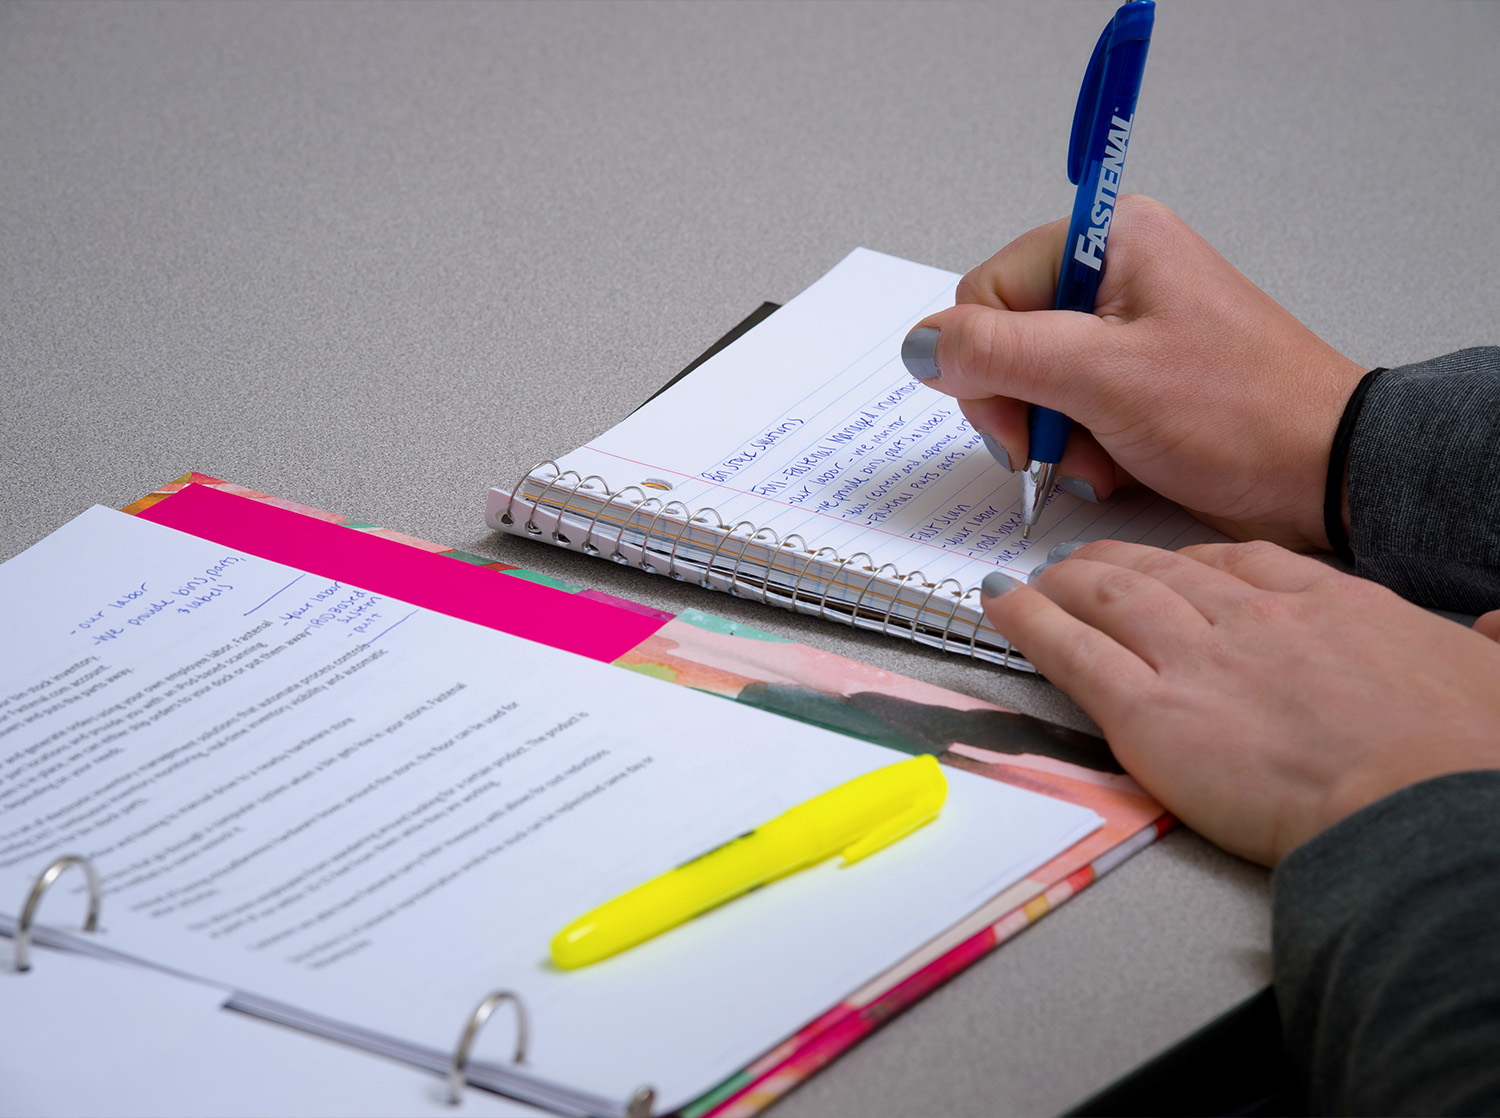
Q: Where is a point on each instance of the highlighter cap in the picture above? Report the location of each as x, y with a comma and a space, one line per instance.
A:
927, 789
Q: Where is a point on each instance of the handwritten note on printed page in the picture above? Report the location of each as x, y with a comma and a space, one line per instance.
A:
810, 424
371, 812
575, 622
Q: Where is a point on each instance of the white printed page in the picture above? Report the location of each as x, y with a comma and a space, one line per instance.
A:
368, 811
91, 1037
810, 425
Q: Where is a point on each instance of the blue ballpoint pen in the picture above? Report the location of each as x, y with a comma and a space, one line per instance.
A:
1102, 124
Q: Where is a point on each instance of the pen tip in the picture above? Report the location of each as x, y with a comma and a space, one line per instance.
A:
1026, 532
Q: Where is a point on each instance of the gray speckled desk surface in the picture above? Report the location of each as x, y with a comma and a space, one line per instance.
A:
378, 258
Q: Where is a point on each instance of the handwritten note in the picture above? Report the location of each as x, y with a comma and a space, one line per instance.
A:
811, 427
577, 623
137, 605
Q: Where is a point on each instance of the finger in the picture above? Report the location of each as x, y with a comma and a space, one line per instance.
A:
1022, 276
1086, 469
1002, 420
1138, 611
1059, 359
1262, 564
1209, 590
1102, 676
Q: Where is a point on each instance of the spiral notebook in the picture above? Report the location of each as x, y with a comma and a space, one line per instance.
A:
802, 466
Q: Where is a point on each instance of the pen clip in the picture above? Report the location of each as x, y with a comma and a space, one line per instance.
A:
924, 811
1088, 108
1133, 21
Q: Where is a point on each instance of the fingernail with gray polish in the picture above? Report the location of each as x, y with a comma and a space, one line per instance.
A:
1054, 557
1063, 550
996, 583
1079, 488
997, 452
919, 353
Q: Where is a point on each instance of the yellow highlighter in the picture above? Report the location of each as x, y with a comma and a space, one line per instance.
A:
857, 819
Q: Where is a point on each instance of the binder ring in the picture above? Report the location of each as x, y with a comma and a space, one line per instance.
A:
34, 899
472, 1026
641, 1103
505, 517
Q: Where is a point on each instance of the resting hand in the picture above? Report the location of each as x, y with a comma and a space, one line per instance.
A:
1261, 696
1188, 378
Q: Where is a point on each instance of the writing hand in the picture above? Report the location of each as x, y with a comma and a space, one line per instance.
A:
1260, 695
1187, 378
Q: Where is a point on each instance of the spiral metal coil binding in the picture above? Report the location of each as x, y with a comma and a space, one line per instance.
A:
730, 559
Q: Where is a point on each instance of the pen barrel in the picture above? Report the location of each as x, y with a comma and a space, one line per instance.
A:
1099, 184
1110, 121
1047, 435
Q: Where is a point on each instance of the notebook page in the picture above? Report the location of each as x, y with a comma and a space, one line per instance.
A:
810, 425
337, 801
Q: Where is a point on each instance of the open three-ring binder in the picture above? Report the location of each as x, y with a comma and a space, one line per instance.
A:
363, 816
167, 1017
798, 464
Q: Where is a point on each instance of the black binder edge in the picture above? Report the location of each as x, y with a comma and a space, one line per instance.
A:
746, 324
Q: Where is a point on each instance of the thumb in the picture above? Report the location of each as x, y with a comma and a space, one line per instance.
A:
1057, 359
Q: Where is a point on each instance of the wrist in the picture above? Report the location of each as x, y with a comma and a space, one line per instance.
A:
1336, 485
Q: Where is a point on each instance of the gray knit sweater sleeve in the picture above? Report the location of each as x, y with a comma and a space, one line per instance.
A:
1386, 933
1424, 481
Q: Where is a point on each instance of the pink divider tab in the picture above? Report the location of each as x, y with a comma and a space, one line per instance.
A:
572, 622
